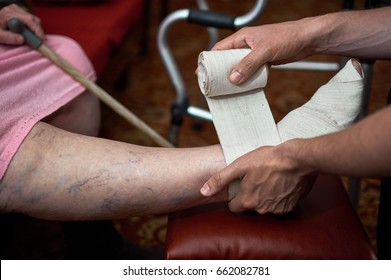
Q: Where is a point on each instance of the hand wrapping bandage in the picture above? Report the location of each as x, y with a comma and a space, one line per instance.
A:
242, 116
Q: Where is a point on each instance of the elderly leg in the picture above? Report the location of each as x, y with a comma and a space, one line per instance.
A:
96, 239
65, 176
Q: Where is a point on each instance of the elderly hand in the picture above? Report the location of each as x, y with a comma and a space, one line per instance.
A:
14, 11
273, 43
271, 181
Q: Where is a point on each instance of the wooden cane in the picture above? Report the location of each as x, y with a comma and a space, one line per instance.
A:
34, 42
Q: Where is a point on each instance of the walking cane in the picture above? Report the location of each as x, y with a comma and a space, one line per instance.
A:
36, 43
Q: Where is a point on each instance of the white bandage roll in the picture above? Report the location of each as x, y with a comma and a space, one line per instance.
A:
214, 68
241, 114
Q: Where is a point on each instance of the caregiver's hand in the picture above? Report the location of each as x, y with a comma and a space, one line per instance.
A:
14, 11
273, 43
271, 181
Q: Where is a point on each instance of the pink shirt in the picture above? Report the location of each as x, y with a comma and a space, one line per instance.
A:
31, 88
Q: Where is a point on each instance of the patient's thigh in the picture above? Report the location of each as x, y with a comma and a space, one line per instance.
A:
81, 115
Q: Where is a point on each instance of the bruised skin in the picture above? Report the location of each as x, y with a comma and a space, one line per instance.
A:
65, 176
62, 175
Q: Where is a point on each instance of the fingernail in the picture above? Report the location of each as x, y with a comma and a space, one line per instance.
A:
235, 77
262, 211
205, 190
19, 39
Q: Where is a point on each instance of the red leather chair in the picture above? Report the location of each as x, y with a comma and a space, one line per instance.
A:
99, 27
324, 226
